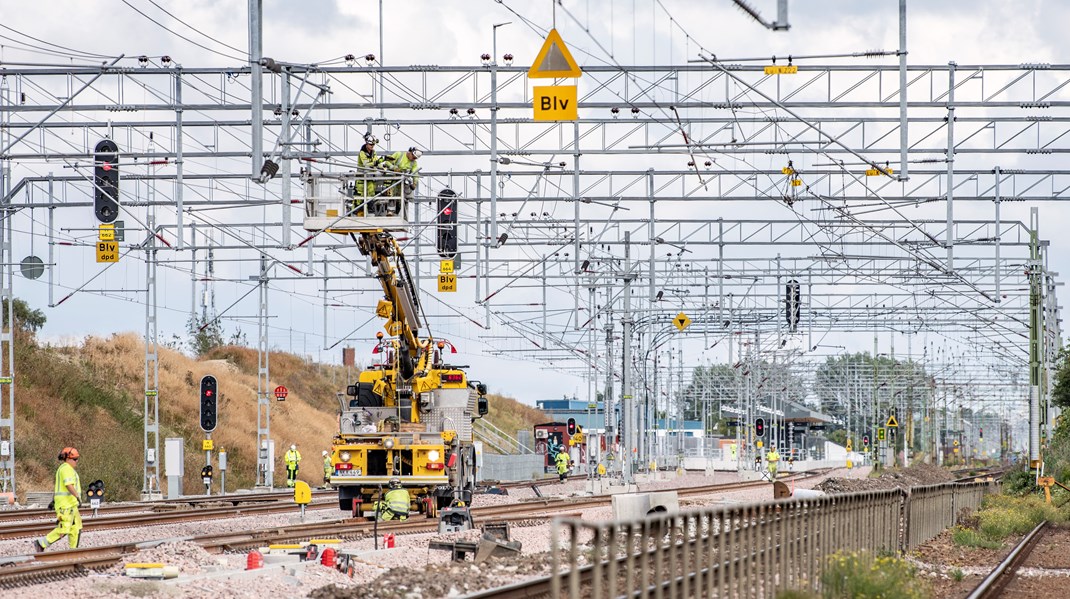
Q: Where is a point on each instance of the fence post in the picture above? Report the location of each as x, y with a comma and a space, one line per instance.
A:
904, 537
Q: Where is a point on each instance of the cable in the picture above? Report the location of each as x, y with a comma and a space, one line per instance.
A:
170, 14
244, 59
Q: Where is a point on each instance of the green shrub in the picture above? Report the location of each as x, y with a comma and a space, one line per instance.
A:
860, 576
967, 537
796, 595
1019, 482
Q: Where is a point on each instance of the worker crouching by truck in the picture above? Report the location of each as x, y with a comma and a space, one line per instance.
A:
395, 503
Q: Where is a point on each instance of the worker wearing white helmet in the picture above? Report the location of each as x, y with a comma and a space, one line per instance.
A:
328, 469
405, 162
292, 458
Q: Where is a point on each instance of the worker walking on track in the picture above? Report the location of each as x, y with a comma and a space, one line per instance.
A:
292, 458
772, 459
562, 464
395, 503
328, 469
66, 498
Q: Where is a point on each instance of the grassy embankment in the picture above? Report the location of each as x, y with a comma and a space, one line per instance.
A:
91, 396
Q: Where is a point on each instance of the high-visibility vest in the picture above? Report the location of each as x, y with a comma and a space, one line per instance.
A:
368, 160
397, 501
402, 163
66, 475
328, 467
292, 456
562, 461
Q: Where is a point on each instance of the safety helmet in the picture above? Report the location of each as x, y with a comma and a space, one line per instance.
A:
68, 453
394, 483
293, 447
370, 139
416, 153
325, 453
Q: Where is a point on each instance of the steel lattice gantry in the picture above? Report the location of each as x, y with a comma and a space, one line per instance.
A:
771, 188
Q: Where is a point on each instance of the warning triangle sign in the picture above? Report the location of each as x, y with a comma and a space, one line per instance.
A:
892, 422
554, 60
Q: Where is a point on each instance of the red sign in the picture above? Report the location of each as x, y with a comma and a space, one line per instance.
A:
281, 392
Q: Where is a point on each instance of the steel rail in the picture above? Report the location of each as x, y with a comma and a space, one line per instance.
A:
994, 583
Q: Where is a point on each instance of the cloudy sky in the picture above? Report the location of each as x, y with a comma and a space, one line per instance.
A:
456, 32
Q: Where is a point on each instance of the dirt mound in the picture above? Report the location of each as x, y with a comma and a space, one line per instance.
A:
914, 476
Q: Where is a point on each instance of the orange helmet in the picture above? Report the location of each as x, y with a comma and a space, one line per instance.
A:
68, 453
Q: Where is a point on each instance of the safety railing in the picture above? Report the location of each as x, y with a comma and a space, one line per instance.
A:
742, 551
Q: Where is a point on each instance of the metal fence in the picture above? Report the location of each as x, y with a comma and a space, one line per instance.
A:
746, 551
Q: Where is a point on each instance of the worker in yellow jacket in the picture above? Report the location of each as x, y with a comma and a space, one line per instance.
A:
395, 503
292, 459
66, 497
405, 162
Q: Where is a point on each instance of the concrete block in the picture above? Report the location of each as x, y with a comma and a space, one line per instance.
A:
615, 489
636, 506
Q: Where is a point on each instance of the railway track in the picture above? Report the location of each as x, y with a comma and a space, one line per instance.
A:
994, 584
168, 505
33, 569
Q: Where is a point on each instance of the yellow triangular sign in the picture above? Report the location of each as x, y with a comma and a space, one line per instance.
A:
892, 422
554, 60
681, 321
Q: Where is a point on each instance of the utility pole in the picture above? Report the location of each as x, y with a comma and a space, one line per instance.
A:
1035, 338
628, 408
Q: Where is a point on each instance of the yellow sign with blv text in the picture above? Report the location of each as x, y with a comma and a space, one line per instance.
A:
555, 103
447, 282
107, 251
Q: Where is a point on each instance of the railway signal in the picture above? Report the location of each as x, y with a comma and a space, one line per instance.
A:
281, 393
208, 403
759, 427
792, 304
446, 239
106, 181
95, 493
570, 426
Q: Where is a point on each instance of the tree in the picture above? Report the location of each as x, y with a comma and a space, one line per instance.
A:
26, 319
719, 385
849, 383
1060, 395
204, 336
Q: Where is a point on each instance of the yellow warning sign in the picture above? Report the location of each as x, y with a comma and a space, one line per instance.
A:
107, 251
849, 446
106, 232
555, 103
554, 60
876, 172
207, 445
445, 266
892, 422
681, 321
447, 282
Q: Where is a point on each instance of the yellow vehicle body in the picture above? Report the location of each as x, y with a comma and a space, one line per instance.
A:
413, 442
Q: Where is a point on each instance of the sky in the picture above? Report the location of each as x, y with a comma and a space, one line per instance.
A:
456, 32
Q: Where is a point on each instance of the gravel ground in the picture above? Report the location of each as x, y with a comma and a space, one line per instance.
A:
409, 571
10, 547
922, 474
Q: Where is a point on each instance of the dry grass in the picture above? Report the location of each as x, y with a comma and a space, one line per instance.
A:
91, 396
510, 415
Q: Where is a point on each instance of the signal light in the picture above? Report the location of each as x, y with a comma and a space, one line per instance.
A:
759, 427
106, 181
446, 237
208, 403
570, 426
453, 378
793, 304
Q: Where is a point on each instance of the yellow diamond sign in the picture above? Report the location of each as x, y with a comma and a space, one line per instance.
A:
681, 321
